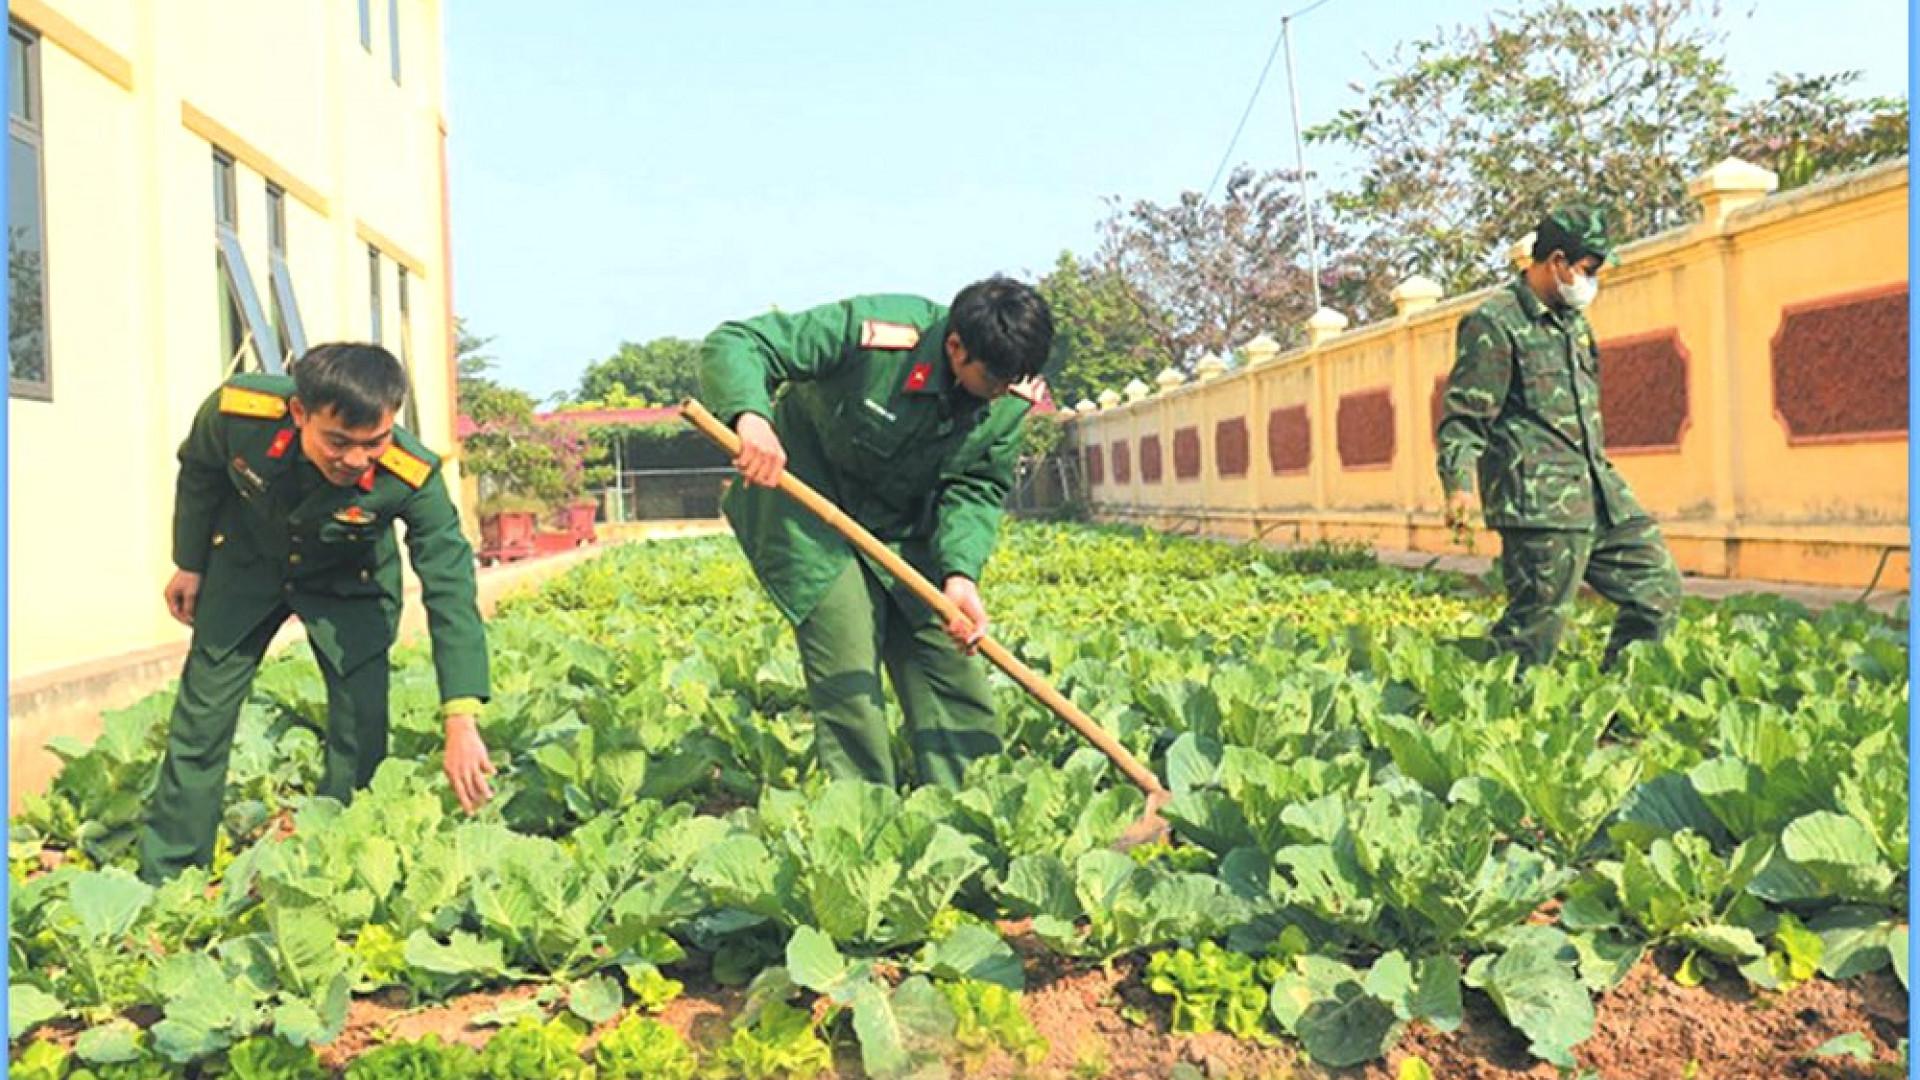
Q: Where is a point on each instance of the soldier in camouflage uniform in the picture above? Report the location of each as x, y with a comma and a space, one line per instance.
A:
1523, 416
907, 415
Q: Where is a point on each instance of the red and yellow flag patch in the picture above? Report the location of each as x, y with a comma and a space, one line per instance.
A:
281, 440
405, 466
917, 378
240, 401
875, 334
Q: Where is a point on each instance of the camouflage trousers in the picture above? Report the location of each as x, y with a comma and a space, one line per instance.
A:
1628, 564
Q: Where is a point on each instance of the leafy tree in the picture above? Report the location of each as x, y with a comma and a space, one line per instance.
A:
1810, 128
521, 461
1103, 336
1207, 276
483, 399
1471, 134
664, 371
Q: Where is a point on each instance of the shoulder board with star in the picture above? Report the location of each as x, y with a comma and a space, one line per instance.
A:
879, 334
258, 404
408, 467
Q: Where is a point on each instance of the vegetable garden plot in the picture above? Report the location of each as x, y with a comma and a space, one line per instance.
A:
1382, 840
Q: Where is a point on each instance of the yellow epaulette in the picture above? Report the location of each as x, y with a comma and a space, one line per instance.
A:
405, 466
875, 334
240, 401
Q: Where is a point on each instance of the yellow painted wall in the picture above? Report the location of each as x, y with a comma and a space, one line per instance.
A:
137, 93
1734, 498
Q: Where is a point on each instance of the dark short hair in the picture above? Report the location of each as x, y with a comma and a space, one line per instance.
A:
363, 384
1005, 325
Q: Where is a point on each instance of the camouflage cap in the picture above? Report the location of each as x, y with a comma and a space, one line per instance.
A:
1579, 230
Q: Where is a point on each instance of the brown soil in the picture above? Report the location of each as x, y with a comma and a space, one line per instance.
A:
1101, 1022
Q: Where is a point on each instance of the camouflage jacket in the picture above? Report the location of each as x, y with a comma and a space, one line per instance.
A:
1523, 411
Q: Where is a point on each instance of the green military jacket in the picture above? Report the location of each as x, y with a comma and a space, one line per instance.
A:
264, 528
1523, 410
864, 400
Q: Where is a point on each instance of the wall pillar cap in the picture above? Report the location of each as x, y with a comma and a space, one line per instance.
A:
1729, 186
1260, 350
1324, 324
1415, 294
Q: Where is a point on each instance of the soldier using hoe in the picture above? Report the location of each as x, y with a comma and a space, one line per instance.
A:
898, 410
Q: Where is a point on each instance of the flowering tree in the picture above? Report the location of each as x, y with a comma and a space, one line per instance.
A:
522, 461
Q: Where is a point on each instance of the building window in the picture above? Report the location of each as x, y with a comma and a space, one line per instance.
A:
29, 366
393, 37
411, 414
373, 295
246, 336
366, 25
290, 332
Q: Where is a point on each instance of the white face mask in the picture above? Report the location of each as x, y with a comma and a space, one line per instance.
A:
1579, 292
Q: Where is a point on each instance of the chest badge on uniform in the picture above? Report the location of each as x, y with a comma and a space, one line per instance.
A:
281, 441
248, 477
353, 515
917, 378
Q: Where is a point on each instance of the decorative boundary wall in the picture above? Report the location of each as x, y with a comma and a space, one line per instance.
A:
1754, 375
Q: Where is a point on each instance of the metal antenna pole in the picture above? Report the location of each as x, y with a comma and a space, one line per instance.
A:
1300, 156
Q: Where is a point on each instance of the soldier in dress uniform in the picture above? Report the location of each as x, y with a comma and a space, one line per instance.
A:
288, 490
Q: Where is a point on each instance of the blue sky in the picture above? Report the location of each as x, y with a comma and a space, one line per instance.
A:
639, 170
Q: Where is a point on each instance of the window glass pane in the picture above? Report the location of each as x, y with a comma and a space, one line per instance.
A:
411, 417
276, 220
232, 326
26, 280
373, 293
366, 25
253, 314
393, 36
223, 208
20, 101
287, 306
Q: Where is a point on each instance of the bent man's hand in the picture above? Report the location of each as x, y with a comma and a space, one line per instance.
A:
467, 763
183, 595
966, 632
1461, 507
761, 455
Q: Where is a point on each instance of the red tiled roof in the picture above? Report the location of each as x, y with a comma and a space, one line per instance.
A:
666, 414
463, 425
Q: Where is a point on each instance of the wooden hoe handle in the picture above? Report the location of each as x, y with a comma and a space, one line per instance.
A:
697, 415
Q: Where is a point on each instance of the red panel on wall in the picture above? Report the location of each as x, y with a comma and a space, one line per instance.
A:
1096, 466
1122, 462
1643, 391
1289, 439
1840, 367
1186, 454
1363, 429
1230, 447
1150, 459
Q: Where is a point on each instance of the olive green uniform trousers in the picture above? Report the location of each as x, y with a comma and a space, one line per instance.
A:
184, 812
860, 626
